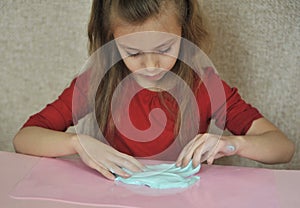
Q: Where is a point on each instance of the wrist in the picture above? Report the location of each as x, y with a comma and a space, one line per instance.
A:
74, 141
239, 143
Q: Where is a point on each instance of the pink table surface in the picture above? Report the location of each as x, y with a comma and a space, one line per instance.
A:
71, 184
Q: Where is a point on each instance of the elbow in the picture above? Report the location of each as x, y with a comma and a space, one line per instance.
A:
287, 154
290, 152
284, 154
17, 142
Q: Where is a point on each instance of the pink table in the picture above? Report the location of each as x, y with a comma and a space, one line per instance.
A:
74, 185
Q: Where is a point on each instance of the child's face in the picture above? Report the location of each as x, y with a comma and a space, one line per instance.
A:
150, 49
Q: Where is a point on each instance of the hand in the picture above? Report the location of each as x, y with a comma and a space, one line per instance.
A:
206, 147
104, 158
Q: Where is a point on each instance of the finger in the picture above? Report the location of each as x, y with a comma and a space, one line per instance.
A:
101, 168
105, 172
221, 152
203, 153
90, 162
116, 170
181, 155
109, 169
128, 162
135, 162
198, 154
210, 160
191, 150
186, 154
219, 155
212, 156
185, 150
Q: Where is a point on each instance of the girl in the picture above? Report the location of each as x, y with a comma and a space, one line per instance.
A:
254, 136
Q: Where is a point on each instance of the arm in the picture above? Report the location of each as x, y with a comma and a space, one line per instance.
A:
264, 142
44, 135
255, 137
97, 155
44, 142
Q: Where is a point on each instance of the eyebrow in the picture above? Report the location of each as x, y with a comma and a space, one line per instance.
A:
168, 42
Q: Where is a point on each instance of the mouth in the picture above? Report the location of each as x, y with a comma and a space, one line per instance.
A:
153, 77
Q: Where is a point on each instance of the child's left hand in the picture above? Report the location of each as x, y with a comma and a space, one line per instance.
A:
206, 147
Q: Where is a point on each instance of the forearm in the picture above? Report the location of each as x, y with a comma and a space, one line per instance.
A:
44, 142
268, 147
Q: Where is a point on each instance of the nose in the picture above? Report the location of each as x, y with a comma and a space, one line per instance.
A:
150, 61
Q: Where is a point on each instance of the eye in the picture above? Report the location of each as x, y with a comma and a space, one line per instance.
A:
133, 54
164, 50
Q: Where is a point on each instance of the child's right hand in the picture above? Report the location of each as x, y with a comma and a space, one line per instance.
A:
104, 158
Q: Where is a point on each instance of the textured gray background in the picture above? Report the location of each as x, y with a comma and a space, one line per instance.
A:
256, 48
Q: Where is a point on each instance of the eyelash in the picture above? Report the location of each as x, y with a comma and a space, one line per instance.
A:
133, 54
137, 54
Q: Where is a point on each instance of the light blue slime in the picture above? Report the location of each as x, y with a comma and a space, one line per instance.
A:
163, 176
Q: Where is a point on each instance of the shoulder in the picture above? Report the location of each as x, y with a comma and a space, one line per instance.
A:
209, 82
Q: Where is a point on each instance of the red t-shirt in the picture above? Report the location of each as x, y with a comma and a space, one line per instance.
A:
237, 117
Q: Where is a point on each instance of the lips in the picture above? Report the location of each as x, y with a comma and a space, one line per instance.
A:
153, 77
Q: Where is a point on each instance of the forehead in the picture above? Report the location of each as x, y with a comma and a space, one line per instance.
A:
150, 33
147, 40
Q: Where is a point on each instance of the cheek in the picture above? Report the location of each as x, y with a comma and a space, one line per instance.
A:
167, 62
132, 64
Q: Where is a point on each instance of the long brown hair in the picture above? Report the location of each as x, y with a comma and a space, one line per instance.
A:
136, 12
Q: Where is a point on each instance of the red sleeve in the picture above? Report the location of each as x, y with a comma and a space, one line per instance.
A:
237, 114
57, 115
